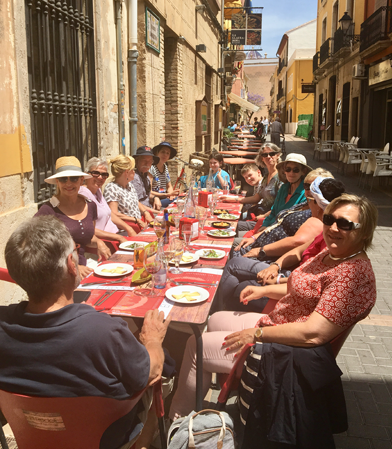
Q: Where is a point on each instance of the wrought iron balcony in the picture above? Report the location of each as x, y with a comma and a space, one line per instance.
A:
282, 63
326, 50
375, 29
316, 61
344, 41
280, 94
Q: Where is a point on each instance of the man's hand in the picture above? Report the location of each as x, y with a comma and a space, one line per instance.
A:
254, 252
156, 203
154, 327
244, 243
229, 199
268, 275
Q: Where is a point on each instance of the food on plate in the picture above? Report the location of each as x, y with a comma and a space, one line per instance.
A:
155, 223
210, 253
228, 216
141, 276
186, 258
189, 296
220, 211
220, 224
221, 233
131, 246
118, 270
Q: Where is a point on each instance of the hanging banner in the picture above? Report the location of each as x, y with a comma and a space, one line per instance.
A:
246, 28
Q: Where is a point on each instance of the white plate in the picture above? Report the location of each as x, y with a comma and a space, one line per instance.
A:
233, 217
204, 295
212, 233
221, 254
110, 266
125, 244
194, 258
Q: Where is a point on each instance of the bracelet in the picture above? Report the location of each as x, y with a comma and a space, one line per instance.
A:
278, 278
279, 267
253, 238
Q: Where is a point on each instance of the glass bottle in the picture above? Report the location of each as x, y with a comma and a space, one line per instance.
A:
166, 235
210, 184
189, 209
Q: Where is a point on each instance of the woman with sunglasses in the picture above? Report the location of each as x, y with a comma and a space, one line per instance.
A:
78, 213
264, 193
324, 296
108, 224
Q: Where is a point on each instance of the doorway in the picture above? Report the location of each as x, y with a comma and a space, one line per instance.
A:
331, 107
345, 111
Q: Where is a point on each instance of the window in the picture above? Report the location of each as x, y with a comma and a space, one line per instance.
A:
350, 8
324, 31
335, 17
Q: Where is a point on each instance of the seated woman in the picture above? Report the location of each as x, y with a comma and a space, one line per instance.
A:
108, 224
325, 296
161, 184
75, 211
121, 195
241, 271
293, 222
265, 192
220, 176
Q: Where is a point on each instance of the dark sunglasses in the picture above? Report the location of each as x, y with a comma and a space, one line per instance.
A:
64, 179
294, 170
342, 223
272, 154
306, 186
97, 174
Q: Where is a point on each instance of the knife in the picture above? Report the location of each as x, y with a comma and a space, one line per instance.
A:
101, 301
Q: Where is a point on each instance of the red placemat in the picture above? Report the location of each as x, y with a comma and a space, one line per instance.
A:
144, 237
97, 295
134, 305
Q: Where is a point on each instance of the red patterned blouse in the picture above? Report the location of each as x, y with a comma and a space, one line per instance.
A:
344, 293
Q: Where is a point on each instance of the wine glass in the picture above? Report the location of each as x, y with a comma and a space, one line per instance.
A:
180, 206
177, 218
202, 217
159, 227
178, 246
211, 205
152, 266
237, 187
187, 233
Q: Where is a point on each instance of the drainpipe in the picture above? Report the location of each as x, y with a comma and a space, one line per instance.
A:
120, 79
132, 59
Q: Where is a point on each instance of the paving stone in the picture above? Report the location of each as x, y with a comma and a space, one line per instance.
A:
381, 394
370, 369
366, 357
377, 419
347, 352
378, 351
353, 412
351, 442
380, 444
366, 431
366, 401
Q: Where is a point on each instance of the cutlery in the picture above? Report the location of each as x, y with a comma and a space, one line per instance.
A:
101, 297
205, 284
101, 301
104, 283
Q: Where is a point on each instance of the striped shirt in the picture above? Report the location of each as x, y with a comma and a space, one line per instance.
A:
160, 180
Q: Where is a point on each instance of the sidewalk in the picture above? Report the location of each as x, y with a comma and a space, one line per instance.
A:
366, 357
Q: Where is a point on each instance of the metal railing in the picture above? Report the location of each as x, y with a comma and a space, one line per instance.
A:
316, 61
282, 63
344, 40
280, 94
374, 28
326, 50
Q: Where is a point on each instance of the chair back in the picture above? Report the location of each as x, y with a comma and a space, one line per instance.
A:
352, 139
386, 148
356, 140
62, 423
5, 276
372, 163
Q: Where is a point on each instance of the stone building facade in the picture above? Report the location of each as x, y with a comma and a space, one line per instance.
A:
89, 49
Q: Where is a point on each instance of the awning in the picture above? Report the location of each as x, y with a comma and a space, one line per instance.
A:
243, 103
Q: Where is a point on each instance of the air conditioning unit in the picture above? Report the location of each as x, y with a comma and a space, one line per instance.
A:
359, 71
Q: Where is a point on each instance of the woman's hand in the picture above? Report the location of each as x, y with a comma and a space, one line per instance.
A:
121, 239
174, 193
141, 223
103, 250
156, 203
268, 274
250, 293
254, 252
84, 271
148, 217
244, 243
237, 340
130, 231
229, 199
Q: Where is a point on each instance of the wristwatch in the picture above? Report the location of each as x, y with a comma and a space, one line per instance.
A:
259, 334
261, 253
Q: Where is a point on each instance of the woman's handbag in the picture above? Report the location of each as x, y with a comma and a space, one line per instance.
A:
207, 429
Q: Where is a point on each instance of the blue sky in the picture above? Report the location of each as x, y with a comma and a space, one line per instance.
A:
280, 16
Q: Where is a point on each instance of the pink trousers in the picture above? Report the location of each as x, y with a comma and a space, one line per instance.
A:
215, 357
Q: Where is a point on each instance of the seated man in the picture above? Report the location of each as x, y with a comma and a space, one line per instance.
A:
50, 346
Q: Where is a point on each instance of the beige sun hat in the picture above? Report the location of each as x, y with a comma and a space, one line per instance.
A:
67, 166
297, 158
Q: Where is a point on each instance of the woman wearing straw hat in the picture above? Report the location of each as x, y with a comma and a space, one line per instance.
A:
75, 211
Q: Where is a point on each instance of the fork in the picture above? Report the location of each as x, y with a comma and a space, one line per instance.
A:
206, 284
104, 283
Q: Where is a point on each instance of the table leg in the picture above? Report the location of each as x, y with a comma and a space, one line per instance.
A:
199, 367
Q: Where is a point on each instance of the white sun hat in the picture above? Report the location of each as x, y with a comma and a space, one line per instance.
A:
67, 166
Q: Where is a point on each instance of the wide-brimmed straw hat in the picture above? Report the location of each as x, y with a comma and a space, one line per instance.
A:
297, 158
146, 151
157, 148
67, 166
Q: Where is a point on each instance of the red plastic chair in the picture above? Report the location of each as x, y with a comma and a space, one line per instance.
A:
5, 276
65, 423
231, 381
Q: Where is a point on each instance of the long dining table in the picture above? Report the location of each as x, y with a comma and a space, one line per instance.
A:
122, 302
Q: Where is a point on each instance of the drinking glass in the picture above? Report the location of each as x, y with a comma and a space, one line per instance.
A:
187, 233
159, 227
180, 206
152, 266
177, 218
178, 246
138, 255
202, 217
225, 188
237, 187
243, 193
211, 206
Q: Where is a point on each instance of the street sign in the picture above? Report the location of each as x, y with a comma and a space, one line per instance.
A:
308, 88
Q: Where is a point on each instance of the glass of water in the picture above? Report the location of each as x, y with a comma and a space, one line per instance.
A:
180, 206
187, 233
178, 249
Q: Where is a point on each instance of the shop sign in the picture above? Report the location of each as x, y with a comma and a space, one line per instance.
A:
380, 72
245, 28
308, 88
153, 31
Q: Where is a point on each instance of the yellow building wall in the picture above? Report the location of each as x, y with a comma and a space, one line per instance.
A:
325, 10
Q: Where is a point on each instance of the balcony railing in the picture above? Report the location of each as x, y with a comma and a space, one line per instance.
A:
316, 61
272, 92
326, 50
280, 94
282, 63
374, 28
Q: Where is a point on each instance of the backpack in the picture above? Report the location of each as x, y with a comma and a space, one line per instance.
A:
207, 429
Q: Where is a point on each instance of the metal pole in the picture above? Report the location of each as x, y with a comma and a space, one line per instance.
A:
120, 80
132, 75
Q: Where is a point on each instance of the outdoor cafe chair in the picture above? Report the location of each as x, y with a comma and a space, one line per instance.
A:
316, 148
378, 168
4, 276
65, 423
230, 382
351, 157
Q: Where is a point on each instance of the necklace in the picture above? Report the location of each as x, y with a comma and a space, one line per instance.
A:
345, 258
